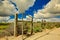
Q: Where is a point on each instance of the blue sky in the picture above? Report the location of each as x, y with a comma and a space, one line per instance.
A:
39, 4
38, 8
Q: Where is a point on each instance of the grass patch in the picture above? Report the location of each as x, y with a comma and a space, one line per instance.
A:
3, 27
1, 31
4, 23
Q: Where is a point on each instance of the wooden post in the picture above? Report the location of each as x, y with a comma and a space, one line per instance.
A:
32, 26
15, 25
22, 26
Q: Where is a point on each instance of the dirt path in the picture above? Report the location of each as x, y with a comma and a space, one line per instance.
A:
53, 34
47, 35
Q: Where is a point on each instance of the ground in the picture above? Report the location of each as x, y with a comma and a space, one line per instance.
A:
53, 34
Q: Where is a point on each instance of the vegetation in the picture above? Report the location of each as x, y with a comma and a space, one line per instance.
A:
4, 23
38, 26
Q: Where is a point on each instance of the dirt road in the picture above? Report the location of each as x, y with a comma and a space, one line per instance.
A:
50, 35
45, 35
54, 35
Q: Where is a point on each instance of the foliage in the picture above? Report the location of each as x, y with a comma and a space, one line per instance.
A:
37, 29
38, 26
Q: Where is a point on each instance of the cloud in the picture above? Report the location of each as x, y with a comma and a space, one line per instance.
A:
52, 9
23, 4
53, 6
49, 20
10, 21
53, 20
29, 17
41, 14
4, 19
6, 8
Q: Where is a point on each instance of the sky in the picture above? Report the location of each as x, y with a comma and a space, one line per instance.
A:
38, 4
39, 9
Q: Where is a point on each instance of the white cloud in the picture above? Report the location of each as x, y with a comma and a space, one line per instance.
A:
28, 17
41, 14
4, 19
53, 20
23, 4
52, 9
48, 20
11, 20
6, 8
53, 6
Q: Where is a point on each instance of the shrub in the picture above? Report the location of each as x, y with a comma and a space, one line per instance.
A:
37, 29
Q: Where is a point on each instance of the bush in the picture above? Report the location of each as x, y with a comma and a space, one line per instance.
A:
37, 29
